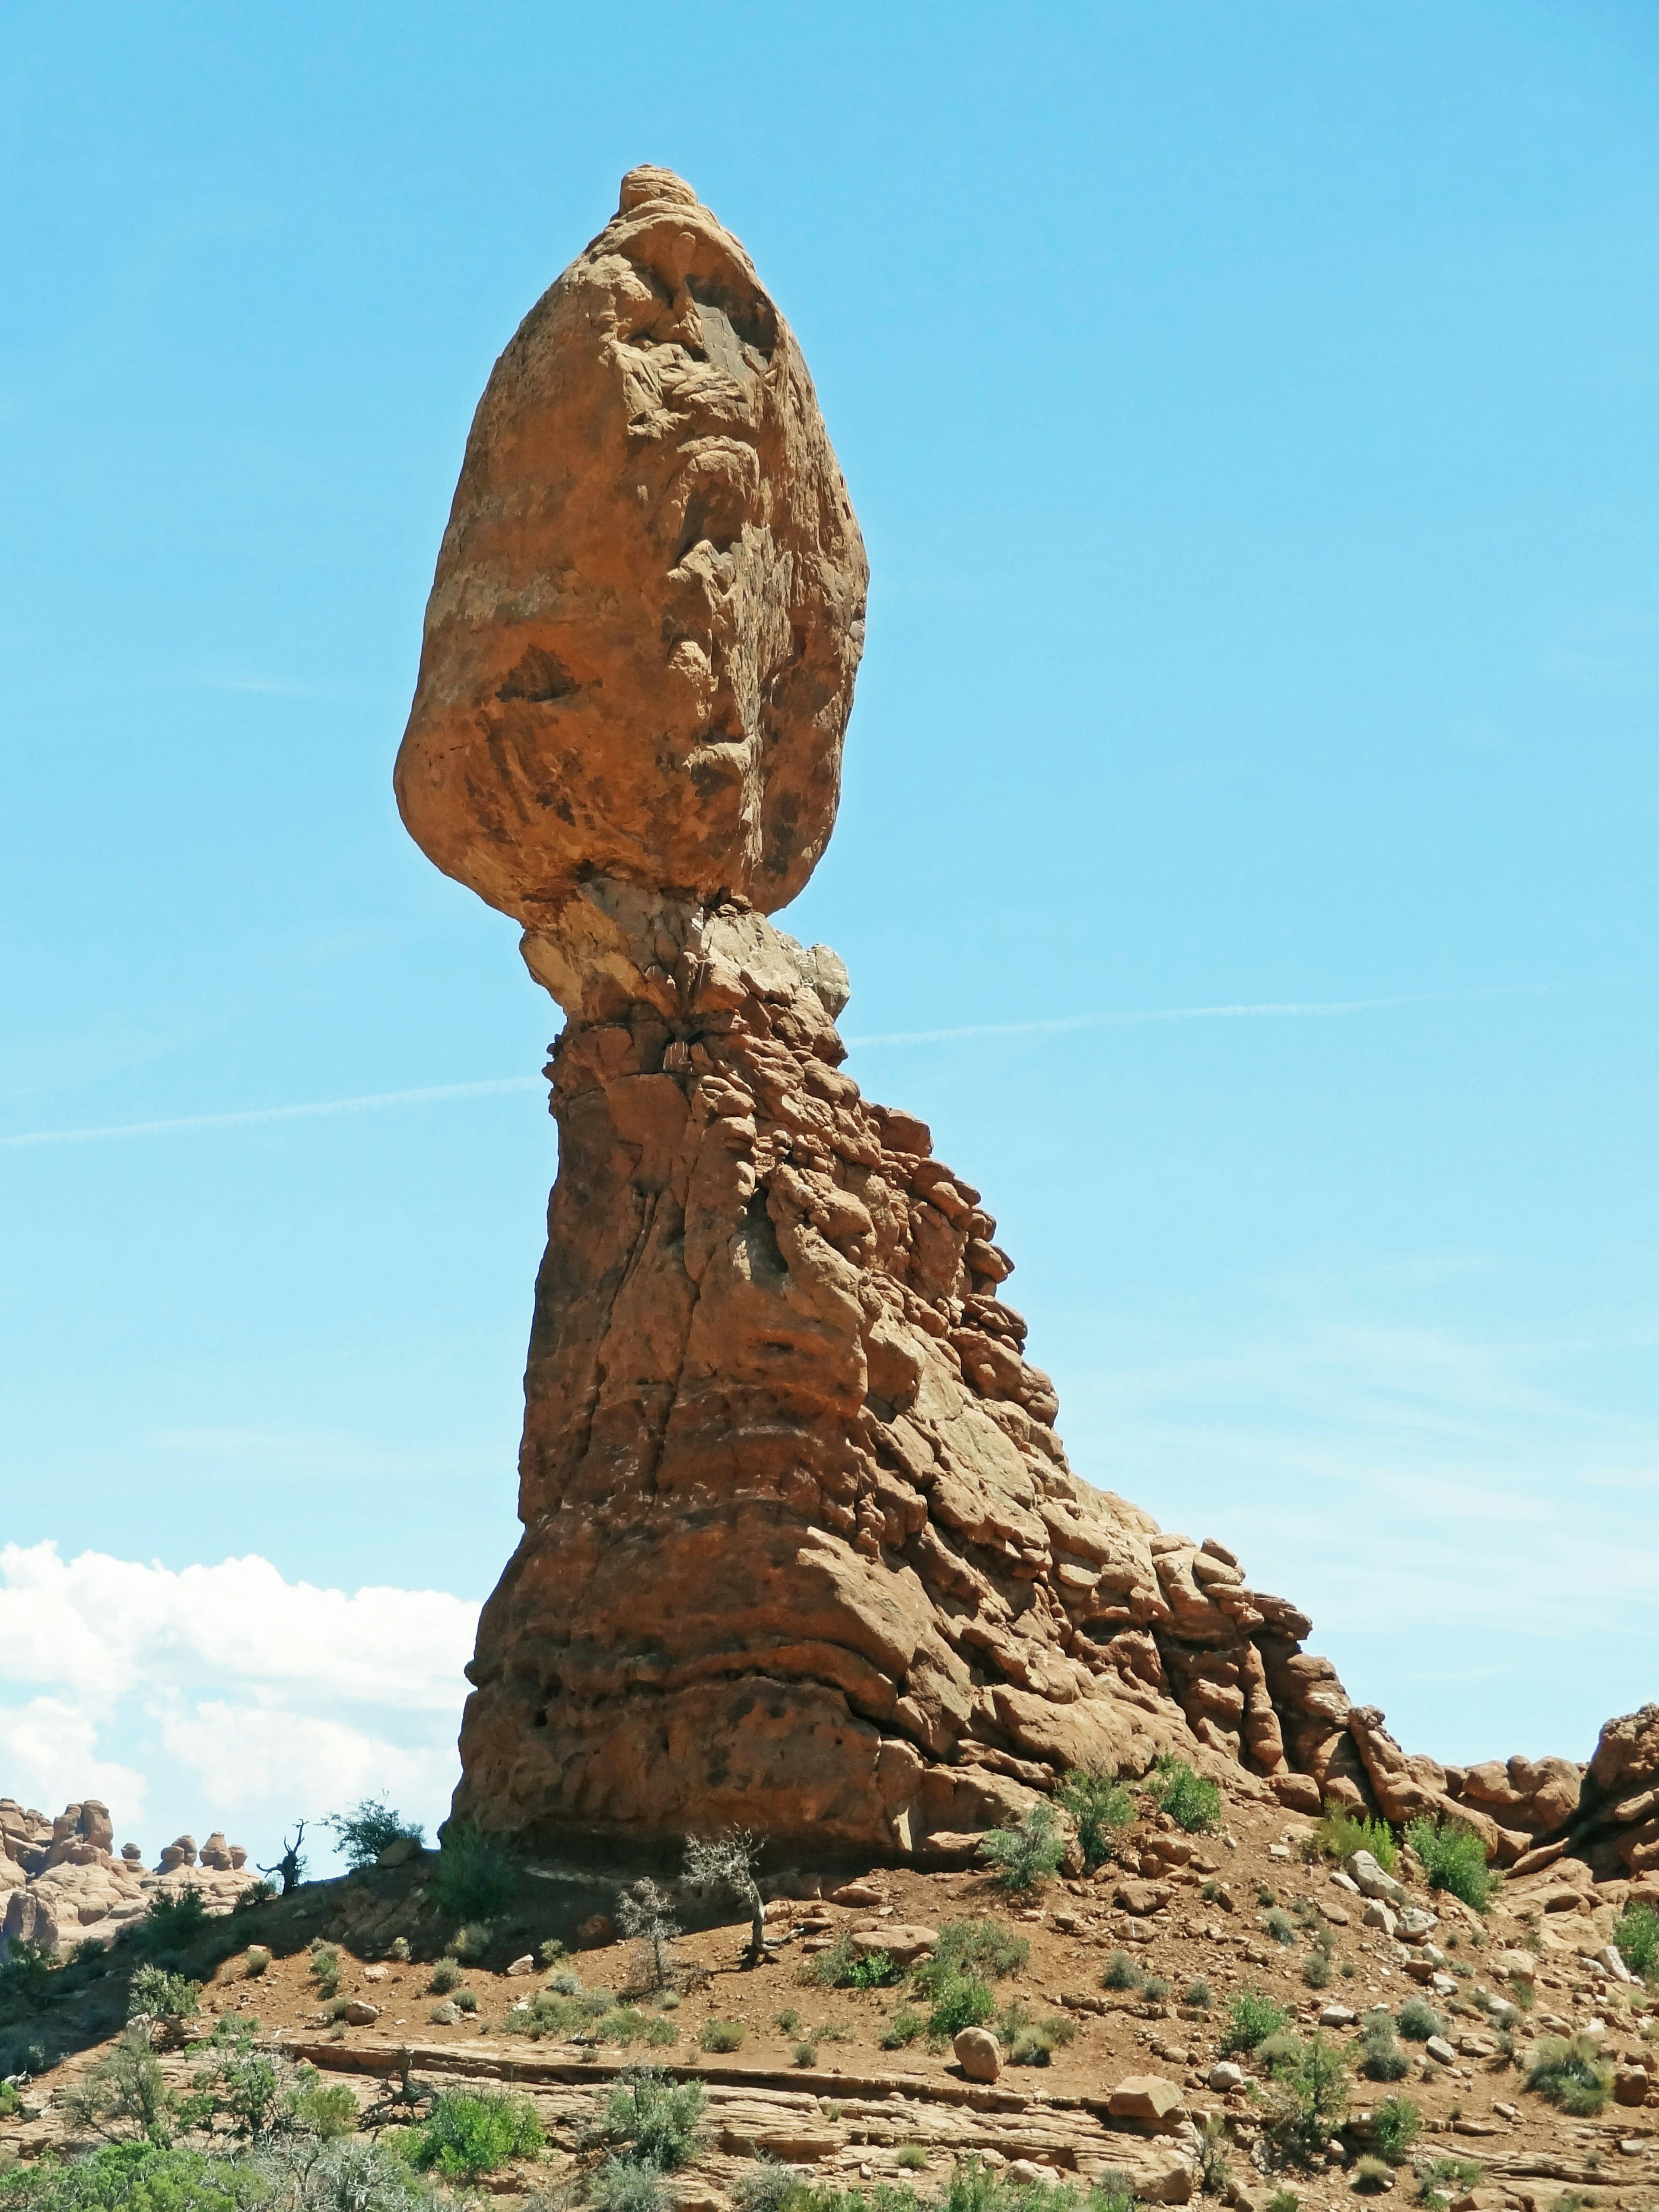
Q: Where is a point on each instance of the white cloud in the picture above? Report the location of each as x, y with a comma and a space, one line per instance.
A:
224, 1696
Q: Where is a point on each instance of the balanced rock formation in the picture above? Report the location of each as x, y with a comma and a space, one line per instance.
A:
61, 1885
802, 1551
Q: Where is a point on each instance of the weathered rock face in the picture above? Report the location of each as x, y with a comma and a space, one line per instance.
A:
60, 1884
649, 609
802, 1550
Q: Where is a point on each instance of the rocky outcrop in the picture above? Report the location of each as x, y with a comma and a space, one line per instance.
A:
1616, 1823
802, 1550
61, 1885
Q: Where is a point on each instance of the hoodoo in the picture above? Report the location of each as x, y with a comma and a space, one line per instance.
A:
802, 1550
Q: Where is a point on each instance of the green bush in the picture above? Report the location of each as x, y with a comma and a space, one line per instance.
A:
1394, 2126
168, 2000
324, 1968
173, 1921
1026, 1856
1372, 2175
721, 2035
1121, 1972
626, 2184
913, 2157
988, 1948
657, 2118
1638, 1938
475, 1878
1029, 2040
1279, 1925
1571, 2074
1283, 2200
1197, 1993
1419, 2020
475, 2132
25, 1975
445, 1975
1191, 1803
1252, 2018
1101, 1805
1381, 2059
1340, 1833
140, 2177
1454, 1859
258, 1959
902, 2029
1279, 2054
1319, 2088
1316, 1969
843, 1966
964, 2001
363, 1833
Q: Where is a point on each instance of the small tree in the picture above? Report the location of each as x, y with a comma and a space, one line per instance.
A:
291, 1866
364, 1833
1026, 1856
645, 1915
1101, 1805
728, 1863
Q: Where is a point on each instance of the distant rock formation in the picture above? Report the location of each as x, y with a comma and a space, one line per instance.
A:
61, 1885
802, 1550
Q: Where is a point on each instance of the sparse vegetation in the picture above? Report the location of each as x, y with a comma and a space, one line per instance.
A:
446, 1973
964, 2001
473, 2132
1191, 1801
324, 1969
988, 1948
173, 1922
1340, 1833
1197, 1992
1453, 1858
1101, 1805
1029, 2040
1027, 1855
1381, 2059
256, 1962
722, 2035
1395, 2124
1572, 2074
1279, 1925
1637, 1936
1372, 2175
727, 1862
1419, 2020
1252, 2018
658, 2119
1154, 1989
643, 1914
163, 2000
911, 2157
903, 2028
1121, 1972
364, 1833
474, 1879
844, 1966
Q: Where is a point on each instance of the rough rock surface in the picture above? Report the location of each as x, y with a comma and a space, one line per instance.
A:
802, 1550
61, 1885
649, 609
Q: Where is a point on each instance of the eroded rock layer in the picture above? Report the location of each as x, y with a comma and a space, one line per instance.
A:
802, 1549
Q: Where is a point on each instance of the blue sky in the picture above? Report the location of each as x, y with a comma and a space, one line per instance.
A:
1249, 410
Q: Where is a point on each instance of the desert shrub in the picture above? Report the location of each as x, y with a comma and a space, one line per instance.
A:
988, 1948
1453, 1858
1440, 2175
475, 2132
1279, 2054
964, 2001
398, 1949
25, 1975
11, 2100
1317, 1968
1318, 2089
1028, 2040
1371, 2176
1121, 1972
1279, 1925
166, 2000
150, 2176
1283, 2200
125, 2093
1252, 2018
902, 2029
464, 2001
913, 2157
626, 2184
643, 1914
446, 1973
1197, 1992
1341, 1832
657, 2118
1638, 1938
173, 1921
1419, 2020
472, 1940
1026, 1856
806, 2053
722, 2035
1571, 2074
363, 1833
1191, 1803
258, 1959
843, 1966
1394, 2126
1154, 1989
1381, 2057
1101, 1806
324, 1968
474, 1879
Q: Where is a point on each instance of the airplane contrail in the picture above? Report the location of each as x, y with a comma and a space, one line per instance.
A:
1266, 1010
250, 1113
